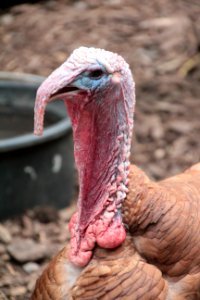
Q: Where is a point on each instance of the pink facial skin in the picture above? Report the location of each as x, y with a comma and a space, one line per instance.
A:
102, 122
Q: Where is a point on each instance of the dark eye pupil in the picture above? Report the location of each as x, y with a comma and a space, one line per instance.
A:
96, 74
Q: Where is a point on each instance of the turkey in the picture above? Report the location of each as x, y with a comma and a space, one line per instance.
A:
131, 238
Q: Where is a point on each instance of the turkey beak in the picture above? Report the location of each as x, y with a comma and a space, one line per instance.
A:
57, 85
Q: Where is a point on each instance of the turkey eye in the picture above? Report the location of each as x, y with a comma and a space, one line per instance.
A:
96, 74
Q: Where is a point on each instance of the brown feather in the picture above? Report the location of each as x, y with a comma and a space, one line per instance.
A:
160, 259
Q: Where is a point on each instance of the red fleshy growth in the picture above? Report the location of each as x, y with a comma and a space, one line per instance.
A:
96, 153
106, 232
80, 253
113, 236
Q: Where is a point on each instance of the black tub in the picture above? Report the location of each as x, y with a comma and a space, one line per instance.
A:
33, 170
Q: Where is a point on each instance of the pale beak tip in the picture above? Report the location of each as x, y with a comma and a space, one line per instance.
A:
38, 131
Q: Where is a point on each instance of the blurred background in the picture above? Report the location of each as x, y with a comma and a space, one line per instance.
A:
160, 40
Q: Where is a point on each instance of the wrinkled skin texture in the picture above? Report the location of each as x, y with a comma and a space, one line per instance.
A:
98, 91
160, 258
108, 236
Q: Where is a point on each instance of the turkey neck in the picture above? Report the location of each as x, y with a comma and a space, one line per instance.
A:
102, 131
145, 203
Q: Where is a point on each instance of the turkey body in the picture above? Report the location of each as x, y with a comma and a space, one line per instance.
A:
160, 258
158, 255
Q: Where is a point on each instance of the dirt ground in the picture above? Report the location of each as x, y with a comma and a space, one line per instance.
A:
160, 39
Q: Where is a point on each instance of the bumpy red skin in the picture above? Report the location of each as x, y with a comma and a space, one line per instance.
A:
97, 220
106, 232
